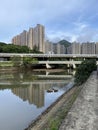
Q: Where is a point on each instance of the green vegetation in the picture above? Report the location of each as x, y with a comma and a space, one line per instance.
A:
28, 61
11, 48
55, 121
65, 43
16, 60
84, 70
25, 62
1, 46
15, 49
6, 64
82, 73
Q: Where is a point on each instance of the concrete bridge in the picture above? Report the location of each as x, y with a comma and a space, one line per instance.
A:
49, 63
48, 59
68, 63
2, 55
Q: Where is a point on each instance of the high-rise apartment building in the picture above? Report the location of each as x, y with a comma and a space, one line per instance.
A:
69, 50
23, 38
76, 48
84, 48
96, 47
48, 47
54, 48
16, 40
60, 49
88, 48
34, 37
39, 37
30, 40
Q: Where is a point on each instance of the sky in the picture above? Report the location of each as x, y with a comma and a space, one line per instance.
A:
72, 20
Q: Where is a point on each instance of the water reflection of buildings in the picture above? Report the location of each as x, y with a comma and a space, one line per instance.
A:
34, 94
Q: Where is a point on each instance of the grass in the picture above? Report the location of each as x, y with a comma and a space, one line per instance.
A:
55, 121
6, 64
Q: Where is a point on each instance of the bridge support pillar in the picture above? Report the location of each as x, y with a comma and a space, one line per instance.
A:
74, 66
68, 65
48, 66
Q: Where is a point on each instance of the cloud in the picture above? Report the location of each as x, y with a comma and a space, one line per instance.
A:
73, 19
88, 35
78, 22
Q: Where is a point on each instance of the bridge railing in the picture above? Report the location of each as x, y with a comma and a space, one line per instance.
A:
48, 55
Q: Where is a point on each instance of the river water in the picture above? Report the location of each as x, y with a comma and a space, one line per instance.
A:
24, 96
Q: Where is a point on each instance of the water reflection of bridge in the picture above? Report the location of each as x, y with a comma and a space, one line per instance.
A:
40, 79
35, 82
32, 88
54, 76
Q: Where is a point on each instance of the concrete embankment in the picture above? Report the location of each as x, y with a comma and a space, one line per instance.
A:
50, 113
84, 113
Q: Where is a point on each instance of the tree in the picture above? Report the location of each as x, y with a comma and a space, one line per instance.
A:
28, 61
84, 70
16, 60
10, 48
1, 46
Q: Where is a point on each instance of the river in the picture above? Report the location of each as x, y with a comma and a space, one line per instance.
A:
24, 96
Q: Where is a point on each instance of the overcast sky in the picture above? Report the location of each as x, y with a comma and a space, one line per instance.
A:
73, 20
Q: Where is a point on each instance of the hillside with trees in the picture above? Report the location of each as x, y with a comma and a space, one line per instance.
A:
10, 48
65, 43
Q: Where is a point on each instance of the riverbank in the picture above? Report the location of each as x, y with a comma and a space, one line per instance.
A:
59, 109
7, 69
84, 113
12, 68
76, 110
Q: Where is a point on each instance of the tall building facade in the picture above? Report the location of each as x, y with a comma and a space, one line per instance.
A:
88, 48
60, 49
96, 47
84, 48
69, 50
48, 47
30, 40
39, 34
54, 48
16, 40
23, 38
33, 37
76, 48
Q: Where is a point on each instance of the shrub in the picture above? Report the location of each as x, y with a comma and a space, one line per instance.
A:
84, 70
16, 60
